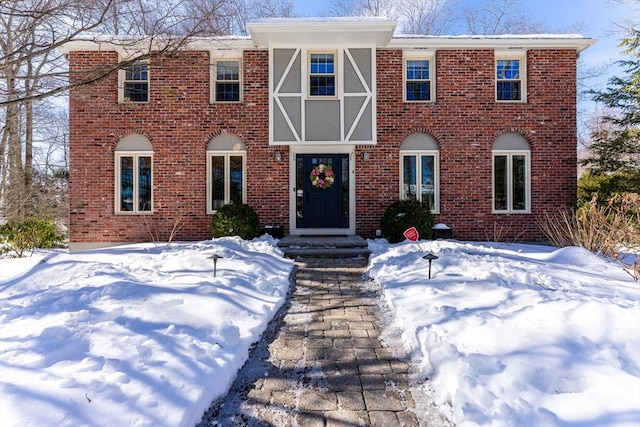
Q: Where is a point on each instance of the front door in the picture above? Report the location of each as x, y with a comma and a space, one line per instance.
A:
322, 191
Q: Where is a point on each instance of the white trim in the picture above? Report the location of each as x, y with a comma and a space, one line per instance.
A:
118, 175
337, 73
122, 80
322, 149
417, 56
436, 175
511, 56
226, 154
510, 154
214, 74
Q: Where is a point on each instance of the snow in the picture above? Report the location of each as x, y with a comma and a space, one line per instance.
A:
141, 335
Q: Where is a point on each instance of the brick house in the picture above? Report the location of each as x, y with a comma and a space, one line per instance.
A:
320, 124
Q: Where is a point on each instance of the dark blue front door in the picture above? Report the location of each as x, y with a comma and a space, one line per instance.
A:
322, 191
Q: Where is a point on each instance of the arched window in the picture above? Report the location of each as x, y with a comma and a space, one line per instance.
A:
420, 170
226, 176
134, 175
511, 174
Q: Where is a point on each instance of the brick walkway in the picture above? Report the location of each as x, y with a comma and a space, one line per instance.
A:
325, 365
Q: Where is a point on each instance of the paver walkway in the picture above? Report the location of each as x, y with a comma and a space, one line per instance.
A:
325, 365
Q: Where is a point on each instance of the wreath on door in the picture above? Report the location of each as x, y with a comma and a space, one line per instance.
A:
322, 176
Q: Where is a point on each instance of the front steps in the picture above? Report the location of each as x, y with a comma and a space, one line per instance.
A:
351, 246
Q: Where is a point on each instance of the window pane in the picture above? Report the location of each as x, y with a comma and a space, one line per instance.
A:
322, 86
428, 180
418, 91
508, 91
137, 71
136, 92
409, 177
217, 182
418, 70
519, 187
322, 63
508, 69
235, 168
228, 92
228, 70
126, 184
500, 184
144, 183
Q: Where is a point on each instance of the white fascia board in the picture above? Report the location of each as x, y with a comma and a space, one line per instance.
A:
524, 42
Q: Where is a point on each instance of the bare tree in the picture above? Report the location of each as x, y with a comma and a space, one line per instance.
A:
499, 17
432, 17
370, 8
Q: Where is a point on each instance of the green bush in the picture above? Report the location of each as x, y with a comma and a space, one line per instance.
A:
235, 219
404, 214
606, 186
18, 237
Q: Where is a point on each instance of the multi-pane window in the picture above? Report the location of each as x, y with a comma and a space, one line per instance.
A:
135, 84
226, 175
420, 178
227, 81
418, 80
322, 74
509, 80
511, 182
134, 182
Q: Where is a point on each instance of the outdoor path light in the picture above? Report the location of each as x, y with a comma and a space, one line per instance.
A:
215, 258
430, 257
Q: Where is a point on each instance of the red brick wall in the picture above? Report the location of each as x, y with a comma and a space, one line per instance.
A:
180, 121
466, 120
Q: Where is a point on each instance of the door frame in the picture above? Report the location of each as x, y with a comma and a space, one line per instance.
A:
322, 149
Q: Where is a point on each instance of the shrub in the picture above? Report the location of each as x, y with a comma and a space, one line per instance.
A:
18, 237
404, 214
235, 219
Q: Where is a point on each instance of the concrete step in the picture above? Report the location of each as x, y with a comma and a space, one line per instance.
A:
351, 246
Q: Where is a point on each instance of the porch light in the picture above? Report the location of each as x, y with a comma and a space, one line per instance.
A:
278, 156
430, 257
215, 258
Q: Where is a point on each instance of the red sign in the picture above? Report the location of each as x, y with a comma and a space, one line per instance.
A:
411, 234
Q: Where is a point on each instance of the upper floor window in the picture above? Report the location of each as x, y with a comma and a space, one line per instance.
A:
134, 82
322, 74
134, 175
226, 177
510, 79
418, 78
227, 81
420, 170
511, 174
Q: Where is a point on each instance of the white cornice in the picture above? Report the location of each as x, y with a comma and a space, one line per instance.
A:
503, 42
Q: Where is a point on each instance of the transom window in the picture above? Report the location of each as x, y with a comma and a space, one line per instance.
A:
134, 175
135, 82
511, 174
420, 170
226, 177
418, 80
509, 79
227, 81
322, 74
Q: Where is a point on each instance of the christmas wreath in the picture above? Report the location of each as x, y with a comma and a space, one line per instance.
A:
322, 176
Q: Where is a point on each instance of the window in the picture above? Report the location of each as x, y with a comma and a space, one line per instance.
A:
417, 80
134, 175
511, 174
226, 177
322, 74
135, 82
227, 81
419, 168
509, 79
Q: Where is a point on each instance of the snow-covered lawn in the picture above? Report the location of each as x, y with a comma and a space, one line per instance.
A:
517, 335
131, 336
511, 335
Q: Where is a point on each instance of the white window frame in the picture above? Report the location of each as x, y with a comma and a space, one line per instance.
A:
122, 80
118, 181
227, 154
435, 209
432, 78
335, 74
214, 79
511, 56
509, 154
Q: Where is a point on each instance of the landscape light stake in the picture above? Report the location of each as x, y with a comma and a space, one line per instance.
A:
215, 258
430, 257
